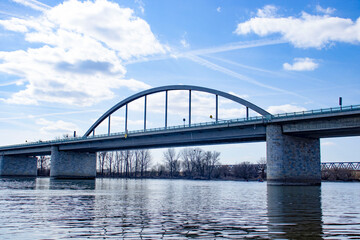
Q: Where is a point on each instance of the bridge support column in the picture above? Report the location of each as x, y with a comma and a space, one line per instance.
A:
69, 164
292, 160
18, 166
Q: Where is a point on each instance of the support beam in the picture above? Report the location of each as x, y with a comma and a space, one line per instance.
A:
166, 107
292, 160
109, 125
145, 100
126, 118
70, 164
189, 108
18, 166
217, 109
247, 113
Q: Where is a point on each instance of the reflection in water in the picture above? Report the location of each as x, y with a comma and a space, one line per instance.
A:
67, 184
294, 212
17, 183
44, 208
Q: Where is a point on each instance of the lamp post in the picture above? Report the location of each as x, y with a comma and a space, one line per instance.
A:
184, 121
340, 102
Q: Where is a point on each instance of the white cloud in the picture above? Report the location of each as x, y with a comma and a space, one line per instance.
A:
117, 121
305, 31
301, 64
184, 43
57, 127
33, 4
231, 73
141, 5
327, 11
286, 108
84, 46
218, 9
267, 11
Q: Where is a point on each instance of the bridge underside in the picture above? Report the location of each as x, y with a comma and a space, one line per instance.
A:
176, 138
346, 126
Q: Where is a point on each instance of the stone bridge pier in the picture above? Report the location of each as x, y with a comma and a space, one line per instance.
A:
18, 166
72, 164
292, 160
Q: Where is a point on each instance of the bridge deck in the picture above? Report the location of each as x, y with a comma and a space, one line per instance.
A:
222, 131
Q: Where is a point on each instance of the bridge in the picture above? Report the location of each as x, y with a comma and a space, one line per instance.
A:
292, 139
352, 166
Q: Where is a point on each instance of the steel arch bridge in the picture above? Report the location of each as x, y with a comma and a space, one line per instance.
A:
166, 89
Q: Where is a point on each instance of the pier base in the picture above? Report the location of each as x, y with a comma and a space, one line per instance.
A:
292, 160
74, 165
18, 166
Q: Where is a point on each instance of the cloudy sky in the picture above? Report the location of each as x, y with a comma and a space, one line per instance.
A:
64, 63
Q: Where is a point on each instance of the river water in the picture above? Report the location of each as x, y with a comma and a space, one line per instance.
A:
44, 208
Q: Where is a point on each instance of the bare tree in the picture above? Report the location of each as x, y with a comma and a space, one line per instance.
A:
172, 161
43, 165
137, 156
118, 159
128, 155
187, 165
211, 159
101, 161
245, 170
110, 162
197, 158
262, 167
145, 159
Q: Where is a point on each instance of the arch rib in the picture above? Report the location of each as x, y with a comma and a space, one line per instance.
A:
171, 88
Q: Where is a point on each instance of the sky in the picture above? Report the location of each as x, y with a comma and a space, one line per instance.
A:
64, 63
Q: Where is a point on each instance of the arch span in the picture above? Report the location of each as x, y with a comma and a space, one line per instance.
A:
171, 88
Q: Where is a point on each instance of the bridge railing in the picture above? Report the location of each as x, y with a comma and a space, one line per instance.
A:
318, 111
169, 128
196, 125
193, 125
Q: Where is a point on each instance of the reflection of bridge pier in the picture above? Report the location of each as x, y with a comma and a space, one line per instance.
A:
294, 212
293, 146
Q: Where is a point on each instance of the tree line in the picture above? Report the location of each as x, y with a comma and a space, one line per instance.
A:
188, 163
127, 163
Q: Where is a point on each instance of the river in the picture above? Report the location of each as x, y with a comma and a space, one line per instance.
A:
43, 208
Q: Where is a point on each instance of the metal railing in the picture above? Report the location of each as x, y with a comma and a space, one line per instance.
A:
244, 121
318, 111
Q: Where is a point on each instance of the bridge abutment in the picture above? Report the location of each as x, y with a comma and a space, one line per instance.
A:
292, 160
18, 166
70, 164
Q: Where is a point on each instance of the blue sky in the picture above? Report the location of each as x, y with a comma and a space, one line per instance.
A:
64, 63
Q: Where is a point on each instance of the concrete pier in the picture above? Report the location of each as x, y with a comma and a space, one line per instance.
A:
71, 164
292, 160
18, 166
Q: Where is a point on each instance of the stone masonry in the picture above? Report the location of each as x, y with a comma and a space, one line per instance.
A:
292, 160
22, 166
69, 164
